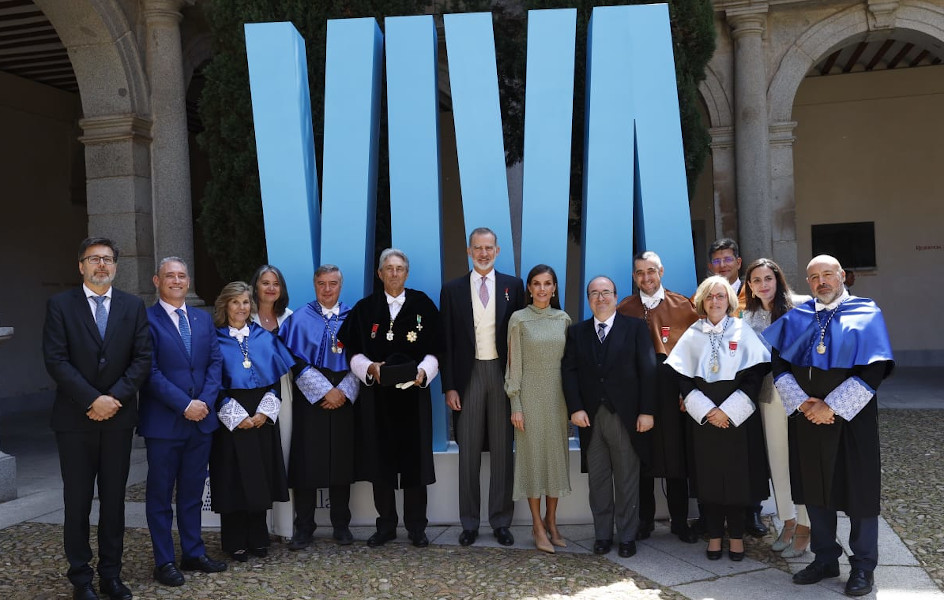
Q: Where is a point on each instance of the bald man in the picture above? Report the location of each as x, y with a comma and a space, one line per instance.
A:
828, 357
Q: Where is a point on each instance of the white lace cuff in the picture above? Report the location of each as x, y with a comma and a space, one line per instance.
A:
350, 386
738, 407
313, 384
359, 366
270, 406
849, 398
791, 393
697, 405
232, 414
429, 364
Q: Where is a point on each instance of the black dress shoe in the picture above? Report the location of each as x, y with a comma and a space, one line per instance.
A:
504, 537
84, 592
860, 582
816, 572
343, 536
114, 589
627, 549
602, 546
300, 542
645, 529
735, 556
239, 556
685, 533
259, 552
467, 537
755, 526
418, 539
713, 554
168, 574
380, 538
202, 563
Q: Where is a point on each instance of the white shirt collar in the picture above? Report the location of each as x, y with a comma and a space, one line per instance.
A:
171, 309
328, 312
478, 277
239, 334
707, 327
652, 301
737, 286
842, 297
90, 294
608, 323
399, 299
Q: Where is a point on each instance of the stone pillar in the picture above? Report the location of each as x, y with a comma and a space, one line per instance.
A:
118, 184
170, 150
750, 130
7, 462
723, 176
784, 202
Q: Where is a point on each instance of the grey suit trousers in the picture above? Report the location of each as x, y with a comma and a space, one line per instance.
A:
485, 407
613, 478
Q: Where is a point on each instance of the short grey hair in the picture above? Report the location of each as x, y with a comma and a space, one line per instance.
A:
482, 231
169, 259
393, 252
647, 255
328, 268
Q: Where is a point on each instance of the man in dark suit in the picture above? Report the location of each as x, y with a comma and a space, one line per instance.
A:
608, 372
178, 417
475, 310
98, 351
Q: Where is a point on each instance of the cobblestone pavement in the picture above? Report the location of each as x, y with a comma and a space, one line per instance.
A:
33, 564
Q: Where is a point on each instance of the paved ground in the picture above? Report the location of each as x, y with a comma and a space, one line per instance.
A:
911, 538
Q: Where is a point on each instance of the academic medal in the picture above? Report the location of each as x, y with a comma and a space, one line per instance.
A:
247, 363
411, 336
373, 330
389, 336
732, 346
665, 335
821, 348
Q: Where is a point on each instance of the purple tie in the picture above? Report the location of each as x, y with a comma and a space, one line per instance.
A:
483, 293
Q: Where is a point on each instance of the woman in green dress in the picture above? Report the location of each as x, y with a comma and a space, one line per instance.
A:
536, 336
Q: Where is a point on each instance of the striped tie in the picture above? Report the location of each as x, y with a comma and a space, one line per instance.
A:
184, 329
601, 332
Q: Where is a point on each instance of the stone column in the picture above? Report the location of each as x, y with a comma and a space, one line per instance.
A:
118, 184
7, 462
750, 129
723, 176
783, 201
170, 150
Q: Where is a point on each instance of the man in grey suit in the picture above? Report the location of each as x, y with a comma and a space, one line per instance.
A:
608, 371
98, 351
475, 309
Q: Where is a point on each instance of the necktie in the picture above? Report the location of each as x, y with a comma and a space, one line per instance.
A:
483, 292
601, 332
101, 315
184, 325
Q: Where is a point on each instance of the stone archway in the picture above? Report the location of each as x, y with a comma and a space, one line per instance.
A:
114, 96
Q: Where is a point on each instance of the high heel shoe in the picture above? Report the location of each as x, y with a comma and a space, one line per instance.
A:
794, 550
785, 538
736, 556
555, 536
541, 542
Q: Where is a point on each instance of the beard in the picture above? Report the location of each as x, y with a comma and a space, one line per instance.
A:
101, 278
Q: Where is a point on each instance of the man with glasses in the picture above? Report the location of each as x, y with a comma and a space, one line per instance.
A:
475, 312
828, 357
724, 259
98, 351
667, 315
608, 373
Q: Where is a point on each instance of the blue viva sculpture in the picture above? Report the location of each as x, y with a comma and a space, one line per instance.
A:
634, 186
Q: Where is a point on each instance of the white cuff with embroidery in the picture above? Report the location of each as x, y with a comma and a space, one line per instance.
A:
270, 406
359, 366
313, 384
350, 387
791, 393
697, 405
429, 364
232, 414
738, 407
849, 398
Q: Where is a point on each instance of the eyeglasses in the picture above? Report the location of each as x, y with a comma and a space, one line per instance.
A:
595, 295
105, 260
724, 260
718, 297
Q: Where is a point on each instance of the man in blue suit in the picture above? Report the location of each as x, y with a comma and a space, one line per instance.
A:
177, 420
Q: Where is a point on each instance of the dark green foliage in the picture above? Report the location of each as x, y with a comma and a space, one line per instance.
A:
231, 211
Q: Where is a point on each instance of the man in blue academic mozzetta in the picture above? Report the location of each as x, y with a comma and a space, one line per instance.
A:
177, 422
828, 357
98, 351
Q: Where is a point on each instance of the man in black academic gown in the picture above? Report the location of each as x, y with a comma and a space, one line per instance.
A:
393, 339
828, 357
